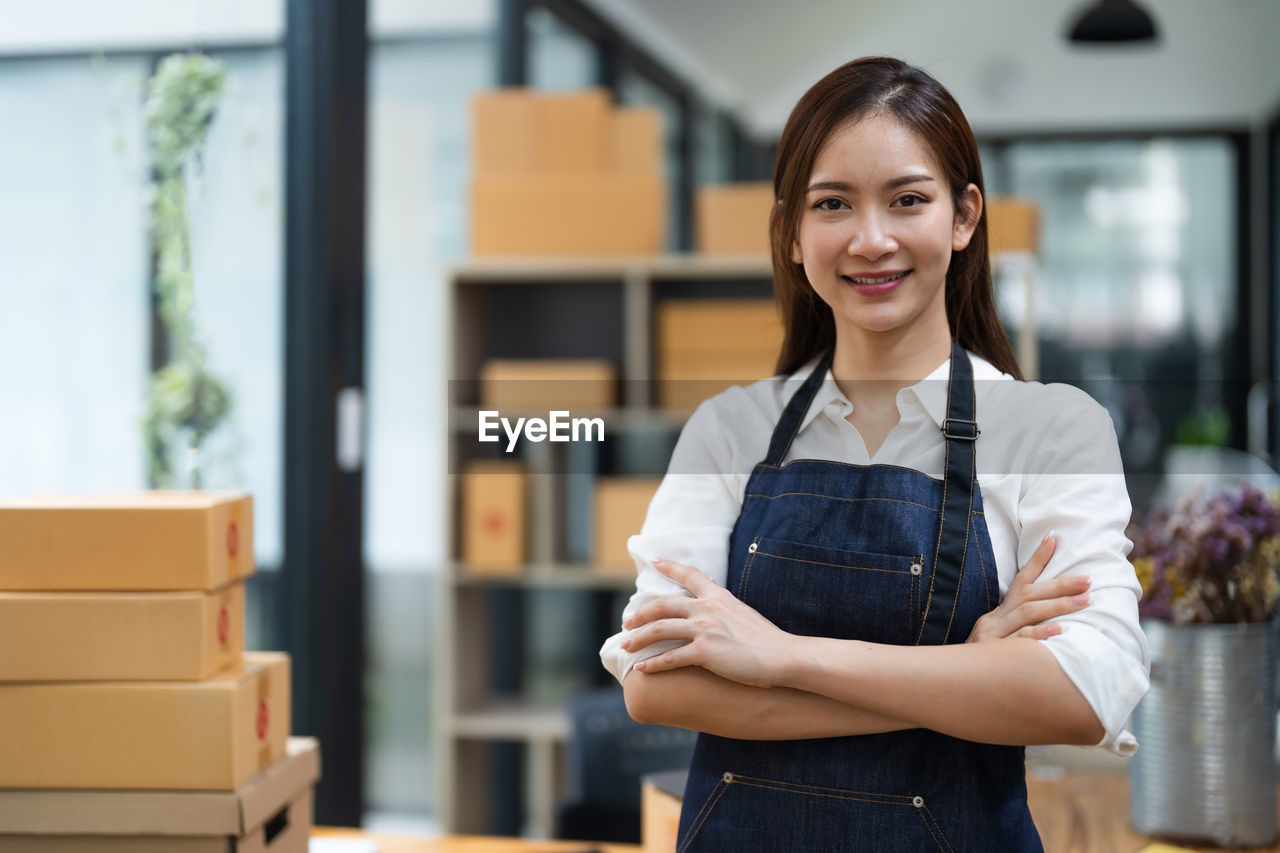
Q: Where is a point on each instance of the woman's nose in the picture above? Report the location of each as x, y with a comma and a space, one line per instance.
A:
871, 239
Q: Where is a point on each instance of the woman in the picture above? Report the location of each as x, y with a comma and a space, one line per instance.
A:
824, 542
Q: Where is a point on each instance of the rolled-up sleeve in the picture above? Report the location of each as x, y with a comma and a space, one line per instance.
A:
688, 521
1076, 489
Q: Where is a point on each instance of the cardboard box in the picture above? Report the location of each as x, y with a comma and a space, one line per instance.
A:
122, 636
620, 507
193, 735
733, 219
543, 385
502, 122
573, 133
1013, 225
603, 214
148, 541
707, 345
687, 379
271, 813
661, 795
493, 518
637, 141
717, 325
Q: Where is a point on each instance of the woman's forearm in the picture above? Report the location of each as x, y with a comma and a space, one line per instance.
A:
693, 698
1010, 692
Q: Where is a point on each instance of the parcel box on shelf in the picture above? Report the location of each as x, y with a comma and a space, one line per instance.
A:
572, 132
620, 507
271, 813
516, 131
519, 131
637, 141
148, 541
544, 385
733, 219
690, 378
493, 517
188, 735
707, 345
120, 636
603, 214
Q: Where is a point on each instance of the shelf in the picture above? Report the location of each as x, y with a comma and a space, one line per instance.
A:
549, 308
514, 720
549, 270
566, 575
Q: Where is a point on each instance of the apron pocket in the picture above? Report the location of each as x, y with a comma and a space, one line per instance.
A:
827, 592
746, 812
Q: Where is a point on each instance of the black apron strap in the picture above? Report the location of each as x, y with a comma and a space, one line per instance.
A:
960, 429
793, 415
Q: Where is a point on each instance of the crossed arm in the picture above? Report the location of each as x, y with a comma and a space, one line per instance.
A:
740, 676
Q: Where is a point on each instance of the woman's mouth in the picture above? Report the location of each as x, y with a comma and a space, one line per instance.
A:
868, 285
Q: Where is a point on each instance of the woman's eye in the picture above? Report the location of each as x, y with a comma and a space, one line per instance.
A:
829, 204
910, 200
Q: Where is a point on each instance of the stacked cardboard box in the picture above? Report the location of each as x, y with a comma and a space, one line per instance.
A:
565, 173
707, 345
733, 219
621, 504
545, 384
125, 688
493, 518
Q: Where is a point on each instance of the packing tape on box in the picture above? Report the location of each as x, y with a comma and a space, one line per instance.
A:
262, 724
222, 624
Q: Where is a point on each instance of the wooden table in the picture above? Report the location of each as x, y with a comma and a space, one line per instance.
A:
1088, 812
1076, 812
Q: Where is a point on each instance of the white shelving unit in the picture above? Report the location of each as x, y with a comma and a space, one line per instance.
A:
542, 308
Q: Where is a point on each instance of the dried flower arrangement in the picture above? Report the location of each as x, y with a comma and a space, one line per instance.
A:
1210, 560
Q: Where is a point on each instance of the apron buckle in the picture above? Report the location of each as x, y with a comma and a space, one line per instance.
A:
967, 430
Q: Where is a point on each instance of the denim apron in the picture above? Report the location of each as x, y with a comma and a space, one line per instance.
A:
886, 555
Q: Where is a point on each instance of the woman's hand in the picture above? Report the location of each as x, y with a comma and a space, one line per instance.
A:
725, 635
1028, 604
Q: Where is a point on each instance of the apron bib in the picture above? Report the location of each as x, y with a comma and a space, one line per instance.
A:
886, 555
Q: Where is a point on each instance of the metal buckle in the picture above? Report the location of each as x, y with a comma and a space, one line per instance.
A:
971, 434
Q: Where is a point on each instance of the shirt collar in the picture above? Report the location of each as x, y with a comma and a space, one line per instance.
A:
930, 392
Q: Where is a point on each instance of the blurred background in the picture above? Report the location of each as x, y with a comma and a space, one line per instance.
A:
329, 219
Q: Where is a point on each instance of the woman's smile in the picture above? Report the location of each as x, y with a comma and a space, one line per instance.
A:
876, 284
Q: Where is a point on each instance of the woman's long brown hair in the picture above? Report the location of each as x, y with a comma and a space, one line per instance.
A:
881, 85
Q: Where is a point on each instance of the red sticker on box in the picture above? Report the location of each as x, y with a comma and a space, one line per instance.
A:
224, 626
233, 539
263, 717
494, 523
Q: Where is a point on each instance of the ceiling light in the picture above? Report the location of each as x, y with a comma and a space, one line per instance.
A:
1113, 21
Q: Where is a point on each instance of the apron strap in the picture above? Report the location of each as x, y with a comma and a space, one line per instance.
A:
793, 415
960, 429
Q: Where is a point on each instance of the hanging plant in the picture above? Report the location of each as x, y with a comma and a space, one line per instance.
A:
186, 402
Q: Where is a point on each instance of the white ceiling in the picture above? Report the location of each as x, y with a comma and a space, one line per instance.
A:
1007, 61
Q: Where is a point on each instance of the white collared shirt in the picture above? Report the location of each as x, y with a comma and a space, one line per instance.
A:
1048, 460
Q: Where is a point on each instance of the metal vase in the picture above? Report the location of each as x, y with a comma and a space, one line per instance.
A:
1205, 769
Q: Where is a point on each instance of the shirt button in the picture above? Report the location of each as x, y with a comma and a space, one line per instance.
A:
916, 568
918, 802
751, 549
727, 778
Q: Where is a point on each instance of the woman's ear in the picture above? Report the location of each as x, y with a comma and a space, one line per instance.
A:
969, 211
796, 257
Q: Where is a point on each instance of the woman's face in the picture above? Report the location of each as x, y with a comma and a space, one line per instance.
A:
878, 228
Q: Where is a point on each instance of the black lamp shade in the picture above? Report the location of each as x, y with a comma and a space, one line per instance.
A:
1114, 21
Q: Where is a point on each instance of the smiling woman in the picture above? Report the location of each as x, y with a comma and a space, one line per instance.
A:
829, 586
